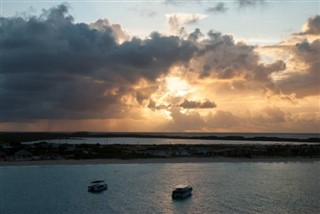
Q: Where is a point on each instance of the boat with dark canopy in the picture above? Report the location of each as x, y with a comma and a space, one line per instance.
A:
97, 186
182, 192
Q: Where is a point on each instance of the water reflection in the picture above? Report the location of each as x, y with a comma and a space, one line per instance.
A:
157, 141
146, 188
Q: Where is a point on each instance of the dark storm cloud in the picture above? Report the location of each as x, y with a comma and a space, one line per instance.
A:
218, 8
154, 106
312, 26
196, 35
303, 79
104, 24
263, 72
145, 93
306, 82
54, 68
222, 58
186, 104
148, 58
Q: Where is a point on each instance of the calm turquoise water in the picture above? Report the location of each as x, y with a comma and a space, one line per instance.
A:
285, 187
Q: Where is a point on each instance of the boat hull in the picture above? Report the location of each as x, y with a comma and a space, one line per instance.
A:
97, 188
182, 194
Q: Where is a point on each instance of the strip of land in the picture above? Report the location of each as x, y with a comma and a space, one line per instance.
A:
154, 153
154, 160
15, 153
36, 136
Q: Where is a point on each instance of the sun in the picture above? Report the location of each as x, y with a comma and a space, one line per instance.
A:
177, 86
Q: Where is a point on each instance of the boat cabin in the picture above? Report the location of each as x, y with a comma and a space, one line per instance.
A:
182, 192
97, 186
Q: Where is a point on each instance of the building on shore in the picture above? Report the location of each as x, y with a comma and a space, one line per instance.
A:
3, 156
23, 155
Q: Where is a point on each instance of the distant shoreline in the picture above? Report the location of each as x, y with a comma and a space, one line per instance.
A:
153, 153
156, 160
37, 136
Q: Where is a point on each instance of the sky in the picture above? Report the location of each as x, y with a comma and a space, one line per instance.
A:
160, 66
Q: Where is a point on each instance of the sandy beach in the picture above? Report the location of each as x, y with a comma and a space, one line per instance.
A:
153, 160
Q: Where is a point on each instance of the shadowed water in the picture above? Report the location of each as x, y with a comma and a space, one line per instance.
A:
291, 187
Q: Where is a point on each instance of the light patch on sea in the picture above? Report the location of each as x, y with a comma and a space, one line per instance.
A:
247, 187
157, 141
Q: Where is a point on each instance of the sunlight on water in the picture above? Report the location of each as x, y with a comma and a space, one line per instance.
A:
157, 141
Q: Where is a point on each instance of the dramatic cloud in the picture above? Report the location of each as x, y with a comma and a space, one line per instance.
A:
69, 70
304, 82
218, 8
190, 121
223, 58
220, 57
144, 93
197, 104
57, 70
301, 76
53, 68
195, 36
177, 20
312, 26
153, 105
119, 34
266, 119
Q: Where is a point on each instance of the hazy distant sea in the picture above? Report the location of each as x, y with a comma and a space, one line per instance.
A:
252, 187
161, 141
279, 135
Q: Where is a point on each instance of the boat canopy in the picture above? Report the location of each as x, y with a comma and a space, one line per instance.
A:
96, 182
181, 186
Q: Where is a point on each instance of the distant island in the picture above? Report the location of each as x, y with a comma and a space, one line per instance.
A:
11, 148
16, 137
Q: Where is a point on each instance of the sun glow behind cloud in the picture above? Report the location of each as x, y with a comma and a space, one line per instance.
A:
178, 87
195, 81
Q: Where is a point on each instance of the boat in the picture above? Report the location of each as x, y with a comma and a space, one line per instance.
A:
97, 186
182, 192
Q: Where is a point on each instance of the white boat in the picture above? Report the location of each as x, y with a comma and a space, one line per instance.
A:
182, 192
97, 186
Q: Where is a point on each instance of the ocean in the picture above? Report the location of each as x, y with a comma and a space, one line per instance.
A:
222, 187
162, 141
